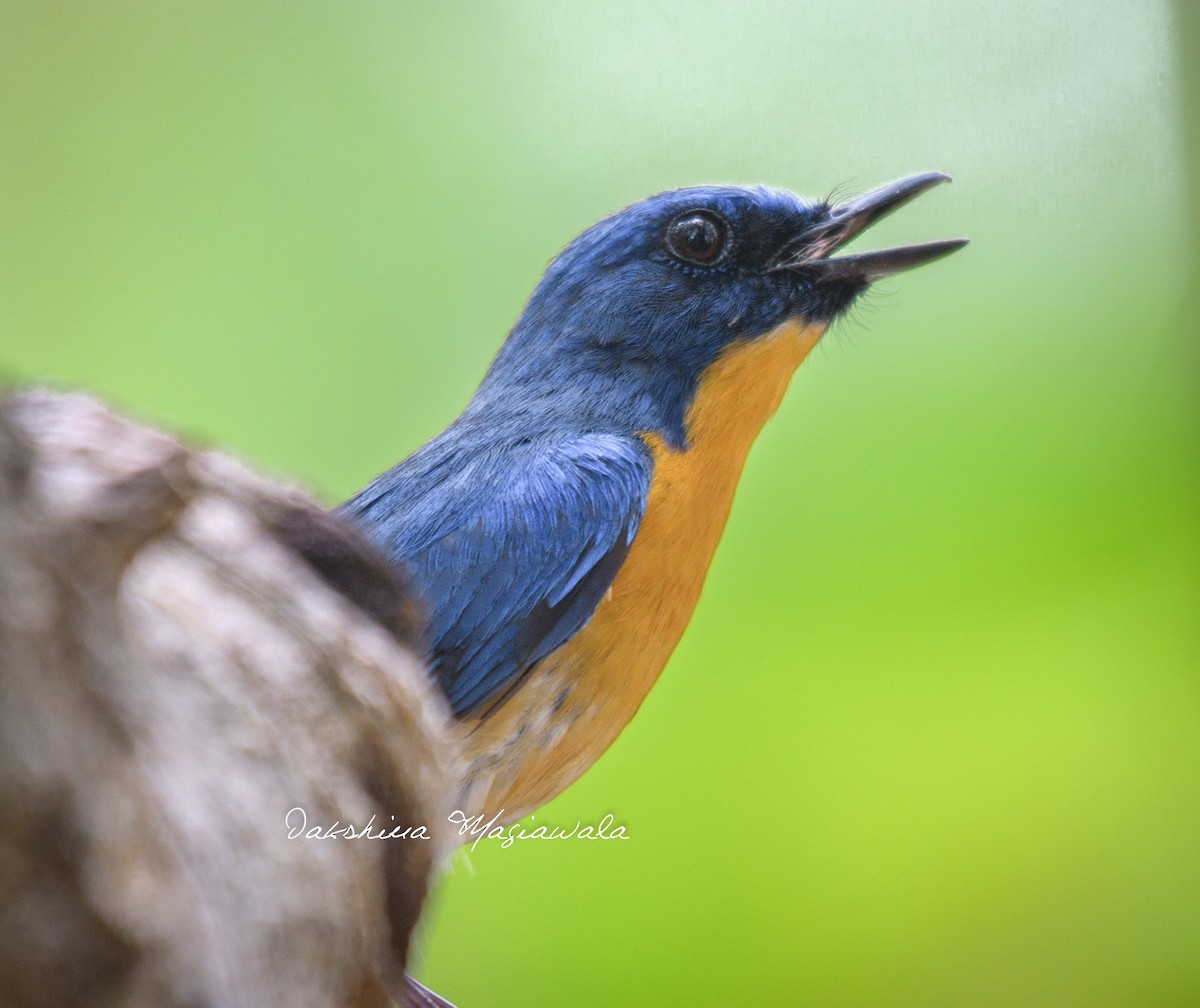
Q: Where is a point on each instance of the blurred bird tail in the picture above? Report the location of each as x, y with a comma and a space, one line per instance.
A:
416, 995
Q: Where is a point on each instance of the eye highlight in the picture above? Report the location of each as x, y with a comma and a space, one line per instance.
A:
699, 237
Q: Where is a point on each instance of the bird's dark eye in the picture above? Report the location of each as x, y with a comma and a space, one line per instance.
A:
699, 237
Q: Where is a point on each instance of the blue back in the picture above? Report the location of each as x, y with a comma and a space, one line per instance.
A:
512, 545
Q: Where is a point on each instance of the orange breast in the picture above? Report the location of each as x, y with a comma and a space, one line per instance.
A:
569, 708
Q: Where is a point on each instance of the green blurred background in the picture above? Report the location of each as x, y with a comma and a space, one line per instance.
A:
934, 735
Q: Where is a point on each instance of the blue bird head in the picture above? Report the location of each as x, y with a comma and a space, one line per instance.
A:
629, 315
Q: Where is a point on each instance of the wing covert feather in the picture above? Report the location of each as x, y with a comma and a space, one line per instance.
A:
511, 551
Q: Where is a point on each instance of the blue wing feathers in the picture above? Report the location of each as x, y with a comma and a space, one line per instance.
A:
513, 547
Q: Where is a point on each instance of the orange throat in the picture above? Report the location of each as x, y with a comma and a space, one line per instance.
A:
570, 707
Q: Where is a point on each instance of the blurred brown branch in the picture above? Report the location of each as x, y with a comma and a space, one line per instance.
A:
176, 674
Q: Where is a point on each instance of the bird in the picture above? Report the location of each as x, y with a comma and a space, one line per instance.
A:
559, 530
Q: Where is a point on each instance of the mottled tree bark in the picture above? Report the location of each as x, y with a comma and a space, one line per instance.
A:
186, 655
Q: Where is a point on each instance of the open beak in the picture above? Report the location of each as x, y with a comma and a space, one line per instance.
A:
810, 251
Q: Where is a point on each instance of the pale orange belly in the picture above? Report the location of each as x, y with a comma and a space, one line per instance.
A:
571, 706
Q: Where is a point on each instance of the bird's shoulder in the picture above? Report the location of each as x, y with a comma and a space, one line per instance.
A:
512, 543
464, 477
